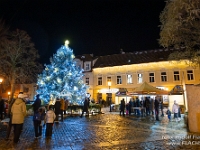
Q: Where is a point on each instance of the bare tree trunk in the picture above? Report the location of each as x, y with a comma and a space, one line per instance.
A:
12, 89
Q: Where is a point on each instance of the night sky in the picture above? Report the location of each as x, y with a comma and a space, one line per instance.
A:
99, 27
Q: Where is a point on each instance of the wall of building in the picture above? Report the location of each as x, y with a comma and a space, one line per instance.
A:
145, 69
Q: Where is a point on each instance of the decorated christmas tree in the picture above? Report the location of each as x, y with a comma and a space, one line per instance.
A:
62, 78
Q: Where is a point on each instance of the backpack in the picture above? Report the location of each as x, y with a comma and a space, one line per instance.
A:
37, 116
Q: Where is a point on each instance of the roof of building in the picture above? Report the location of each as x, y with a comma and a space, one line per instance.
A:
133, 58
85, 57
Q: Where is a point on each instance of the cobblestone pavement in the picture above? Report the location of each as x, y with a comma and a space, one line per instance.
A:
106, 131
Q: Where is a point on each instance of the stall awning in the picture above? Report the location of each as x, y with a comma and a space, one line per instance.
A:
122, 91
177, 90
147, 89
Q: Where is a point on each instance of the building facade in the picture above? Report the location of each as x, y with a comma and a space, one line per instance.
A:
112, 73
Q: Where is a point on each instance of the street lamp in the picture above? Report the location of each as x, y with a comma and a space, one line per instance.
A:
109, 85
1, 80
8, 96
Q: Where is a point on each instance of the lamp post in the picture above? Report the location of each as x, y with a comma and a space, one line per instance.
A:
109, 85
1, 80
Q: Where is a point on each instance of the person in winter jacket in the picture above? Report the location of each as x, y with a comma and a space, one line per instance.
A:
168, 114
156, 106
37, 104
86, 107
122, 107
18, 112
1, 108
57, 109
62, 108
175, 109
49, 120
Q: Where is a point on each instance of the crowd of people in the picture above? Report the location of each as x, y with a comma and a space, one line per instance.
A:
149, 107
42, 116
46, 116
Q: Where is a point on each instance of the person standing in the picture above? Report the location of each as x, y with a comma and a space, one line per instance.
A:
146, 105
175, 109
62, 108
66, 106
151, 106
57, 109
85, 107
130, 106
49, 120
37, 104
37, 121
18, 111
161, 108
156, 104
1, 108
122, 107
168, 114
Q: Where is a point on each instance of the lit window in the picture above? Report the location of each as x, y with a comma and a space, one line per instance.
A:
87, 67
99, 80
87, 81
129, 79
140, 78
119, 80
190, 75
176, 76
151, 77
163, 76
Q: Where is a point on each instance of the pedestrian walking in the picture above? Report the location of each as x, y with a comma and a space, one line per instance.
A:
62, 108
9, 115
37, 103
18, 112
1, 108
130, 106
49, 121
156, 105
168, 112
175, 109
161, 107
122, 107
151, 106
37, 118
147, 105
57, 109
85, 107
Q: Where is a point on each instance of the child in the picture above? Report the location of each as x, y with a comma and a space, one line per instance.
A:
169, 114
49, 120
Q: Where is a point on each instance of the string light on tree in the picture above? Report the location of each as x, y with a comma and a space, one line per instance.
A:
62, 78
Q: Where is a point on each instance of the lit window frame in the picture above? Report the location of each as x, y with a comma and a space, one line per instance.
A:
176, 76
190, 75
129, 78
163, 76
139, 78
99, 81
119, 79
151, 77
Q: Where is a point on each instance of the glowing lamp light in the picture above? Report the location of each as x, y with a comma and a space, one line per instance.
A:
48, 78
1, 80
59, 80
66, 43
72, 56
75, 88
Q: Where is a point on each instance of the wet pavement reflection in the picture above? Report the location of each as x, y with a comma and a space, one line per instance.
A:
104, 131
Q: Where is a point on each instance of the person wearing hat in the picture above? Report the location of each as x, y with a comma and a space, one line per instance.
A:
18, 112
